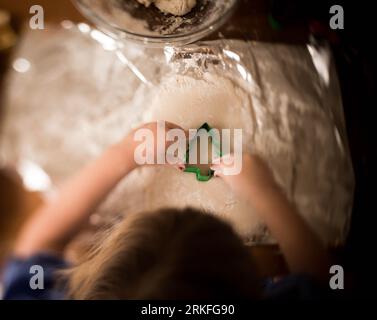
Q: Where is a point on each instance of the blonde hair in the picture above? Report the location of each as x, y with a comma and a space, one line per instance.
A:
169, 254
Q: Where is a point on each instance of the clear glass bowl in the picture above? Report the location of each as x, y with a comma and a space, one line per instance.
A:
127, 19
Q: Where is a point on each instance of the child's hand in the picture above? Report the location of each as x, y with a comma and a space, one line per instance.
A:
302, 249
56, 223
254, 178
130, 143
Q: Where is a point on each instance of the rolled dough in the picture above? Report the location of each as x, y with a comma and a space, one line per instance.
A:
175, 7
189, 103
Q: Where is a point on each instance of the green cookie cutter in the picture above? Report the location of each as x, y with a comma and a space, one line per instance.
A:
196, 170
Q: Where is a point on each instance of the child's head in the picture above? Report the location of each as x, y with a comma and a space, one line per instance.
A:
169, 254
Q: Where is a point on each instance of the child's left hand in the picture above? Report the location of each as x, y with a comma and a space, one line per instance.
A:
130, 143
56, 223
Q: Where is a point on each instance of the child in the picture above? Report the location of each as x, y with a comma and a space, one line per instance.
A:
169, 254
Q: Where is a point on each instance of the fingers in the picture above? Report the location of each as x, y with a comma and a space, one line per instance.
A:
168, 126
224, 161
180, 167
180, 164
218, 169
218, 172
171, 125
176, 163
222, 165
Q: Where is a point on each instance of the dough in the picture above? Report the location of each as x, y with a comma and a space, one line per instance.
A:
189, 103
175, 7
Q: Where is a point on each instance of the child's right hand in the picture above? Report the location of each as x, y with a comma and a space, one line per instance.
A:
254, 179
302, 249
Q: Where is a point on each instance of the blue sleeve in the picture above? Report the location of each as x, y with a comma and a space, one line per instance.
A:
295, 287
17, 274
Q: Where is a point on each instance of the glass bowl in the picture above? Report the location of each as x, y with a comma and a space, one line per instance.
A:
130, 20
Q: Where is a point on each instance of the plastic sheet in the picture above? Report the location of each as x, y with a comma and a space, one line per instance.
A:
76, 91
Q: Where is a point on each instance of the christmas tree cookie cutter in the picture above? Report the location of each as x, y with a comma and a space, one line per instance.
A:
196, 170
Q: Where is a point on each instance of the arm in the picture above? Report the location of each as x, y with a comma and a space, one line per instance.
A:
54, 225
303, 251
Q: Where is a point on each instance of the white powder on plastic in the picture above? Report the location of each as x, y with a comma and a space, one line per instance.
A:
89, 100
189, 103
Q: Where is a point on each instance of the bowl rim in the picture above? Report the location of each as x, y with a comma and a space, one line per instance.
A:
189, 36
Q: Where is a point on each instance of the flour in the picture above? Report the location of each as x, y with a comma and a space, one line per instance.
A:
175, 7
288, 117
189, 103
299, 168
